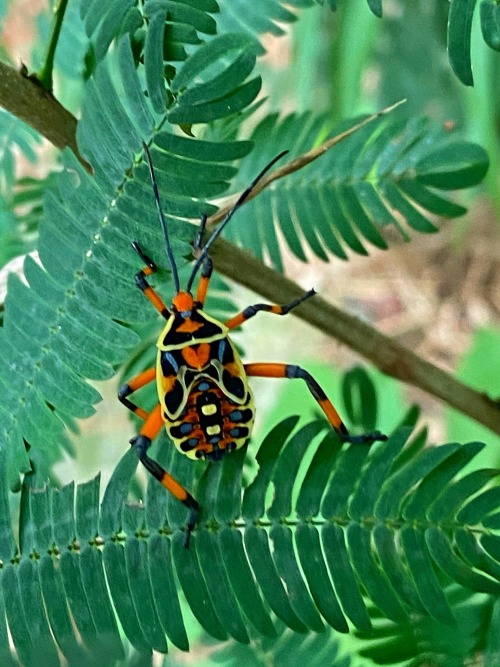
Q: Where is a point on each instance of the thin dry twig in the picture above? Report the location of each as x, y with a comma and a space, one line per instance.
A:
59, 127
300, 162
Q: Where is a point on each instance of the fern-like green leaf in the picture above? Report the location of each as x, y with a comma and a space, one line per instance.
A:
20, 216
105, 22
258, 18
63, 328
376, 7
386, 175
72, 45
312, 649
211, 84
459, 39
320, 550
13, 132
175, 25
424, 640
490, 23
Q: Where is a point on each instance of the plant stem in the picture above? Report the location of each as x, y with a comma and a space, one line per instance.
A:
45, 75
22, 97
386, 354
25, 98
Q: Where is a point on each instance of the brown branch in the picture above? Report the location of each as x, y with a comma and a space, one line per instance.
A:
25, 98
385, 353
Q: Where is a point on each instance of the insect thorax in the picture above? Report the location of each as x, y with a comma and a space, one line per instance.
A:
202, 386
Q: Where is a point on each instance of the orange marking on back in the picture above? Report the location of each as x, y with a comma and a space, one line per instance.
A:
197, 356
167, 382
189, 326
233, 368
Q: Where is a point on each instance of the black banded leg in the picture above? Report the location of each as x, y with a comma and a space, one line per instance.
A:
132, 385
198, 241
207, 266
206, 274
291, 372
250, 311
141, 443
144, 286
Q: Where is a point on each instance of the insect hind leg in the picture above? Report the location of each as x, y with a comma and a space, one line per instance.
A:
141, 443
291, 372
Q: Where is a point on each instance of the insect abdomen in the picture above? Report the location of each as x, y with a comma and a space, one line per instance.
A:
211, 425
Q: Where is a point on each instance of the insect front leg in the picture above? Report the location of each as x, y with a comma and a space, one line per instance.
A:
292, 372
250, 311
207, 266
142, 283
141, 443
132, 385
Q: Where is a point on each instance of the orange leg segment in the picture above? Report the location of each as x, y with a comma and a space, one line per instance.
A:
133, 385
141, 443
289, 371
144, 286
268, 308
207, 266
201, 294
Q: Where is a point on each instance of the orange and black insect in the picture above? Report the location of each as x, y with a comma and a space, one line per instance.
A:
204, 399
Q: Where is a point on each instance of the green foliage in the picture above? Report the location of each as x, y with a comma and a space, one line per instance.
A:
178, 24
16, 135
91, 221
490, 23
480, 367
321, 540
384, 176
388, 524
288, 649
72, 44
426, 640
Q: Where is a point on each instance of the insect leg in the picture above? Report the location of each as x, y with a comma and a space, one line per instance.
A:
133, 385
141, 443
207, 266
142, 283
291, 372
250, 311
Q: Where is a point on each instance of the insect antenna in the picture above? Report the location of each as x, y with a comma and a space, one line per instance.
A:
163, 222
218, 230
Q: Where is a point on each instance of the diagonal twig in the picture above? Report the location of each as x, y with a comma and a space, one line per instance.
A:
386, 354
300, 162
59, 127
26, 99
